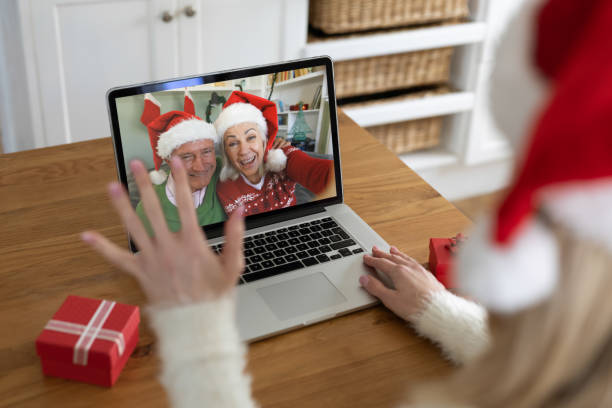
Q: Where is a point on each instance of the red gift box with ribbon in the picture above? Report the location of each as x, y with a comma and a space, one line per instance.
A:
88, 340
442, 252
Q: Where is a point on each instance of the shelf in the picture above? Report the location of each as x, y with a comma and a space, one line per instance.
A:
305, 111
312, 75
426, 159
391, 112
398, 41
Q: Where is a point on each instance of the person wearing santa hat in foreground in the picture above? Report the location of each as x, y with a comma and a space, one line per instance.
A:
186, 136
540, 268
254, 174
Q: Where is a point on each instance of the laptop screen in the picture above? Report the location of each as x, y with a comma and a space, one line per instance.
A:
263, 138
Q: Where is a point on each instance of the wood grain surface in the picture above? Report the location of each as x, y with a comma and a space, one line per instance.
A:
48, 196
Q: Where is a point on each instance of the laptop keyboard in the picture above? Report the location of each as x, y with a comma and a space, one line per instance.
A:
295, 247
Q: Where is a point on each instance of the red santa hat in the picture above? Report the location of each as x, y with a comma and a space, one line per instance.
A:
242, 107
171, 130
512, 261
188, 104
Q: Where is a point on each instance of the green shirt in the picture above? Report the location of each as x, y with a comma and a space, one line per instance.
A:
209, 212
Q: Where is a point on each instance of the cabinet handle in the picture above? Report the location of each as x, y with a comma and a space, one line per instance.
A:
190, 11
167, 17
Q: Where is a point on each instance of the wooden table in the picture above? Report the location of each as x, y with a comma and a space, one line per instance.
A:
48, 196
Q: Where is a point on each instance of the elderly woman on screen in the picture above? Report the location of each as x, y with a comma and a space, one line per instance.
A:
255, 174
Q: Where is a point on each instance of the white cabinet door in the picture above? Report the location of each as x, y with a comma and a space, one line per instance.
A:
239, 33
83, 48
77, 49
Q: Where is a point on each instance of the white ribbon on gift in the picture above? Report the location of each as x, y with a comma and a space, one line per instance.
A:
88, 333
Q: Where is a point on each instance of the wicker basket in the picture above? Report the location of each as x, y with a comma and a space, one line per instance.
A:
408, 136
388, 72
403, 137
343, 16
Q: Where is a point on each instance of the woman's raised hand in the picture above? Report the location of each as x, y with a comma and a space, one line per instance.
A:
172, 268
279, 143
413, 283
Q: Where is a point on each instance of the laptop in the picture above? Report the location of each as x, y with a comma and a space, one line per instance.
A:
303, 261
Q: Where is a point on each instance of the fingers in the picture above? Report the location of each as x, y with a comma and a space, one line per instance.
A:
279, 143
121, 258
376, 288
189, 222
402, 255
121, 202
382, 264
232, 255
150, 201
379, 253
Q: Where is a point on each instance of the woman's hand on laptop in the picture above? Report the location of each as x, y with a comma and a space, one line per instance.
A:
172, 268
413, 283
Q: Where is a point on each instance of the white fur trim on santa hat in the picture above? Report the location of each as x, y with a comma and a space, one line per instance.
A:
584, 209
276, 161
149, 97
186, 131
516, 88
157, 176
240, 113
509, 278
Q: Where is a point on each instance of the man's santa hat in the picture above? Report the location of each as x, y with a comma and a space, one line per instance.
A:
242, 107
171, 130
512, 261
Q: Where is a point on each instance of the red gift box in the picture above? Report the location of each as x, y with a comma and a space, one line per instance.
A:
88, 340
441, 257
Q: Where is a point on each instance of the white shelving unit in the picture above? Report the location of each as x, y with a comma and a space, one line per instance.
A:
253, 84
430, 159
302, 88
295, 112
300, 79
392, 112
398, 42
464, 146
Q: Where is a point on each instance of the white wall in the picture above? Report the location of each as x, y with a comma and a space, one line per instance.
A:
13, 82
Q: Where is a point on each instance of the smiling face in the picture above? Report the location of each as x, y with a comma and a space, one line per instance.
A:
199, 160
244, 146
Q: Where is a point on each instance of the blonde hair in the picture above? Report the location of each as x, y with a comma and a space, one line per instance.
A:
228, 171
556, 354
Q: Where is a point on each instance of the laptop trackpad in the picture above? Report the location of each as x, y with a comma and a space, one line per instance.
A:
301, 296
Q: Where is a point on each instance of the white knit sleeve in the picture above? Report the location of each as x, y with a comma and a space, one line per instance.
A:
457, 325
203, 359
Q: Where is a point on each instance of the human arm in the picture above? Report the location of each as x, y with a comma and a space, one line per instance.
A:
310, 172
457, 325
191, 293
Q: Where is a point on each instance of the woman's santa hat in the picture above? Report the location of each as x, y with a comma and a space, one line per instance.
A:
171, 130
512, 261
242, 107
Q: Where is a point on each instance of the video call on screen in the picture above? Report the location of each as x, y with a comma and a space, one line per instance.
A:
260, 142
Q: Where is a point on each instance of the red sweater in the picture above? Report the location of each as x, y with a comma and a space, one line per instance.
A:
278, 190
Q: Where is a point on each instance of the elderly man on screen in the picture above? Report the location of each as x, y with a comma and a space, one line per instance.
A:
186, 136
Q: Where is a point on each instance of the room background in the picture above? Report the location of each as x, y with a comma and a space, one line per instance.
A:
428, 101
